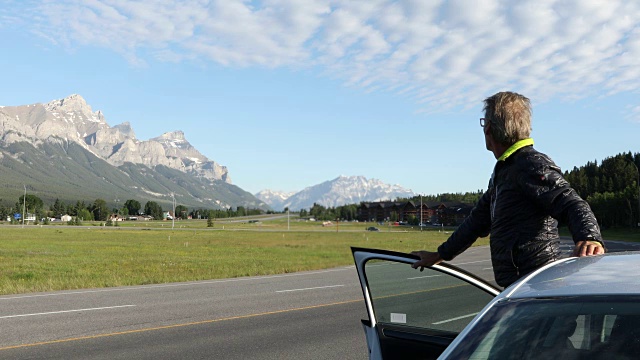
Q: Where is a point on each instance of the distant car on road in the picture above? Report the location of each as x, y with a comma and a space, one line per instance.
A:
372, 228
574, 308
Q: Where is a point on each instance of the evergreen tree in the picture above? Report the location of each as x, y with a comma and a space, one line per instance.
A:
133, 206
152, 208
210, 219
181, 211
100, 210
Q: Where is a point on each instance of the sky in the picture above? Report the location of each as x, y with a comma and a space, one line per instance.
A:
288, 94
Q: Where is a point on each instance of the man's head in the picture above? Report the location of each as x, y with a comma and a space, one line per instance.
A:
507, 118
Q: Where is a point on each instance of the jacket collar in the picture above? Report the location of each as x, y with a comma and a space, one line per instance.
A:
515, 147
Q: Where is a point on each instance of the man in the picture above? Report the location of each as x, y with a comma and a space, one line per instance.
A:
526, 196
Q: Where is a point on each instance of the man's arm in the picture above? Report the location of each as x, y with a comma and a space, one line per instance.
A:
477, 224
550, 190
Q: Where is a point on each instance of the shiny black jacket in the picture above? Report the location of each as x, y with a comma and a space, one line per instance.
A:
526, 195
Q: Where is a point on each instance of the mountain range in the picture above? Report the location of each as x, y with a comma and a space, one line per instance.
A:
339, 191
64, 150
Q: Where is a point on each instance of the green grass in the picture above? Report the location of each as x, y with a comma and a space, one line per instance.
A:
37, 258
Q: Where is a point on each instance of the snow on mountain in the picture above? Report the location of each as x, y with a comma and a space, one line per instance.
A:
73, 120
337, 192
275, 199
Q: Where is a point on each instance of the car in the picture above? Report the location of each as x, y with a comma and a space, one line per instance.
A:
573, 308
372, 228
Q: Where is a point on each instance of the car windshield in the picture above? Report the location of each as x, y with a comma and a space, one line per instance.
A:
605, 327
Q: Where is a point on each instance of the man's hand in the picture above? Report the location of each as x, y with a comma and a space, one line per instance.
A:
427, 258
588, 248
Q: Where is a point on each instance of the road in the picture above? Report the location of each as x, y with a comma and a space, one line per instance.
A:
307, 315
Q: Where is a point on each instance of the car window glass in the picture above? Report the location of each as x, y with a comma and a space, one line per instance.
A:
546, 328
429, 299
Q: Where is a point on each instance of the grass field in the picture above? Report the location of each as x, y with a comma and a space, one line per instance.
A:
46, 258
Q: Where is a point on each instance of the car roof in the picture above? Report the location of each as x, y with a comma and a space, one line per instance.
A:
609, 274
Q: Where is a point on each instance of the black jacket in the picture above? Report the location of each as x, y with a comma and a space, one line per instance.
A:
526, 195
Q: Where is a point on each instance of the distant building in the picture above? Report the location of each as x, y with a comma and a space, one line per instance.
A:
446, 213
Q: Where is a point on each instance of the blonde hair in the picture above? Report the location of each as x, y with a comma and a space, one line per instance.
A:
510, 116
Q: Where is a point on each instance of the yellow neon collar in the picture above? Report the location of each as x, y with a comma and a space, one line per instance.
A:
515, 147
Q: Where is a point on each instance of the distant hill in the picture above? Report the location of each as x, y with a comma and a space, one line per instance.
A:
63, 150
339, 191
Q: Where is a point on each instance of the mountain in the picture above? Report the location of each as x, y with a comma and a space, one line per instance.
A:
339, 191
64, 150
275, 199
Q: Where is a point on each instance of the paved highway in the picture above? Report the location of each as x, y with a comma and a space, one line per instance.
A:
308, 315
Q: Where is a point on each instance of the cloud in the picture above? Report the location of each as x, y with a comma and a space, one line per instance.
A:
439, 53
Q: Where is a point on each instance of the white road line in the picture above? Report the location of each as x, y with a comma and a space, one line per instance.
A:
65, 311
454, 319
422, 277
313, 288
195, 283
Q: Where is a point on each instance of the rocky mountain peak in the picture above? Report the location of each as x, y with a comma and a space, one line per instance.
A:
176, 135
72, 102
73, 120
126, 129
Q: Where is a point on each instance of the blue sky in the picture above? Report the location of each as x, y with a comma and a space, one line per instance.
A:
290, 93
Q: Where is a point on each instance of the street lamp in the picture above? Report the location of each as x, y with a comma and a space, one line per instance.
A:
421, 224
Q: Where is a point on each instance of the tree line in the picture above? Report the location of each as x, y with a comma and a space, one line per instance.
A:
349, 212
98, 210
610, 188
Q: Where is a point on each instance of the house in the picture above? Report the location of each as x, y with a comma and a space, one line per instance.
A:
115, 217
447, 213
66, 217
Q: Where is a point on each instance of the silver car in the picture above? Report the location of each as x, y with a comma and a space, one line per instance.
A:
574, 308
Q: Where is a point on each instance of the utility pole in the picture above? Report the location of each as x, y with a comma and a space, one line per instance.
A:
421, 224
637, 183
24, 205
173, 217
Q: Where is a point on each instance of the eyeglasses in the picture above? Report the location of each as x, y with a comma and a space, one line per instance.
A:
483, 122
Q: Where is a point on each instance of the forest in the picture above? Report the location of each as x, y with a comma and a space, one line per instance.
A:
610, 188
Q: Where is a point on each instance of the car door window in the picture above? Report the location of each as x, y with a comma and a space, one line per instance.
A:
430, 299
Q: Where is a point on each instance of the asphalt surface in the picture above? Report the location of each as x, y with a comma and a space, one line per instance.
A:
309, 315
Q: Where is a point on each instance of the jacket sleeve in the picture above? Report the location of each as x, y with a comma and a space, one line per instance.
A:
477, 224
546, 186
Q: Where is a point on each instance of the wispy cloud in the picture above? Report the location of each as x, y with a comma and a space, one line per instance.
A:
440, 53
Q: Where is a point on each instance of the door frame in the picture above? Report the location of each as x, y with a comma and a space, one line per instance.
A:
362, 255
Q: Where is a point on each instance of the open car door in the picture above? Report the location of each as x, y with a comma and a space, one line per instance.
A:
413, 314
